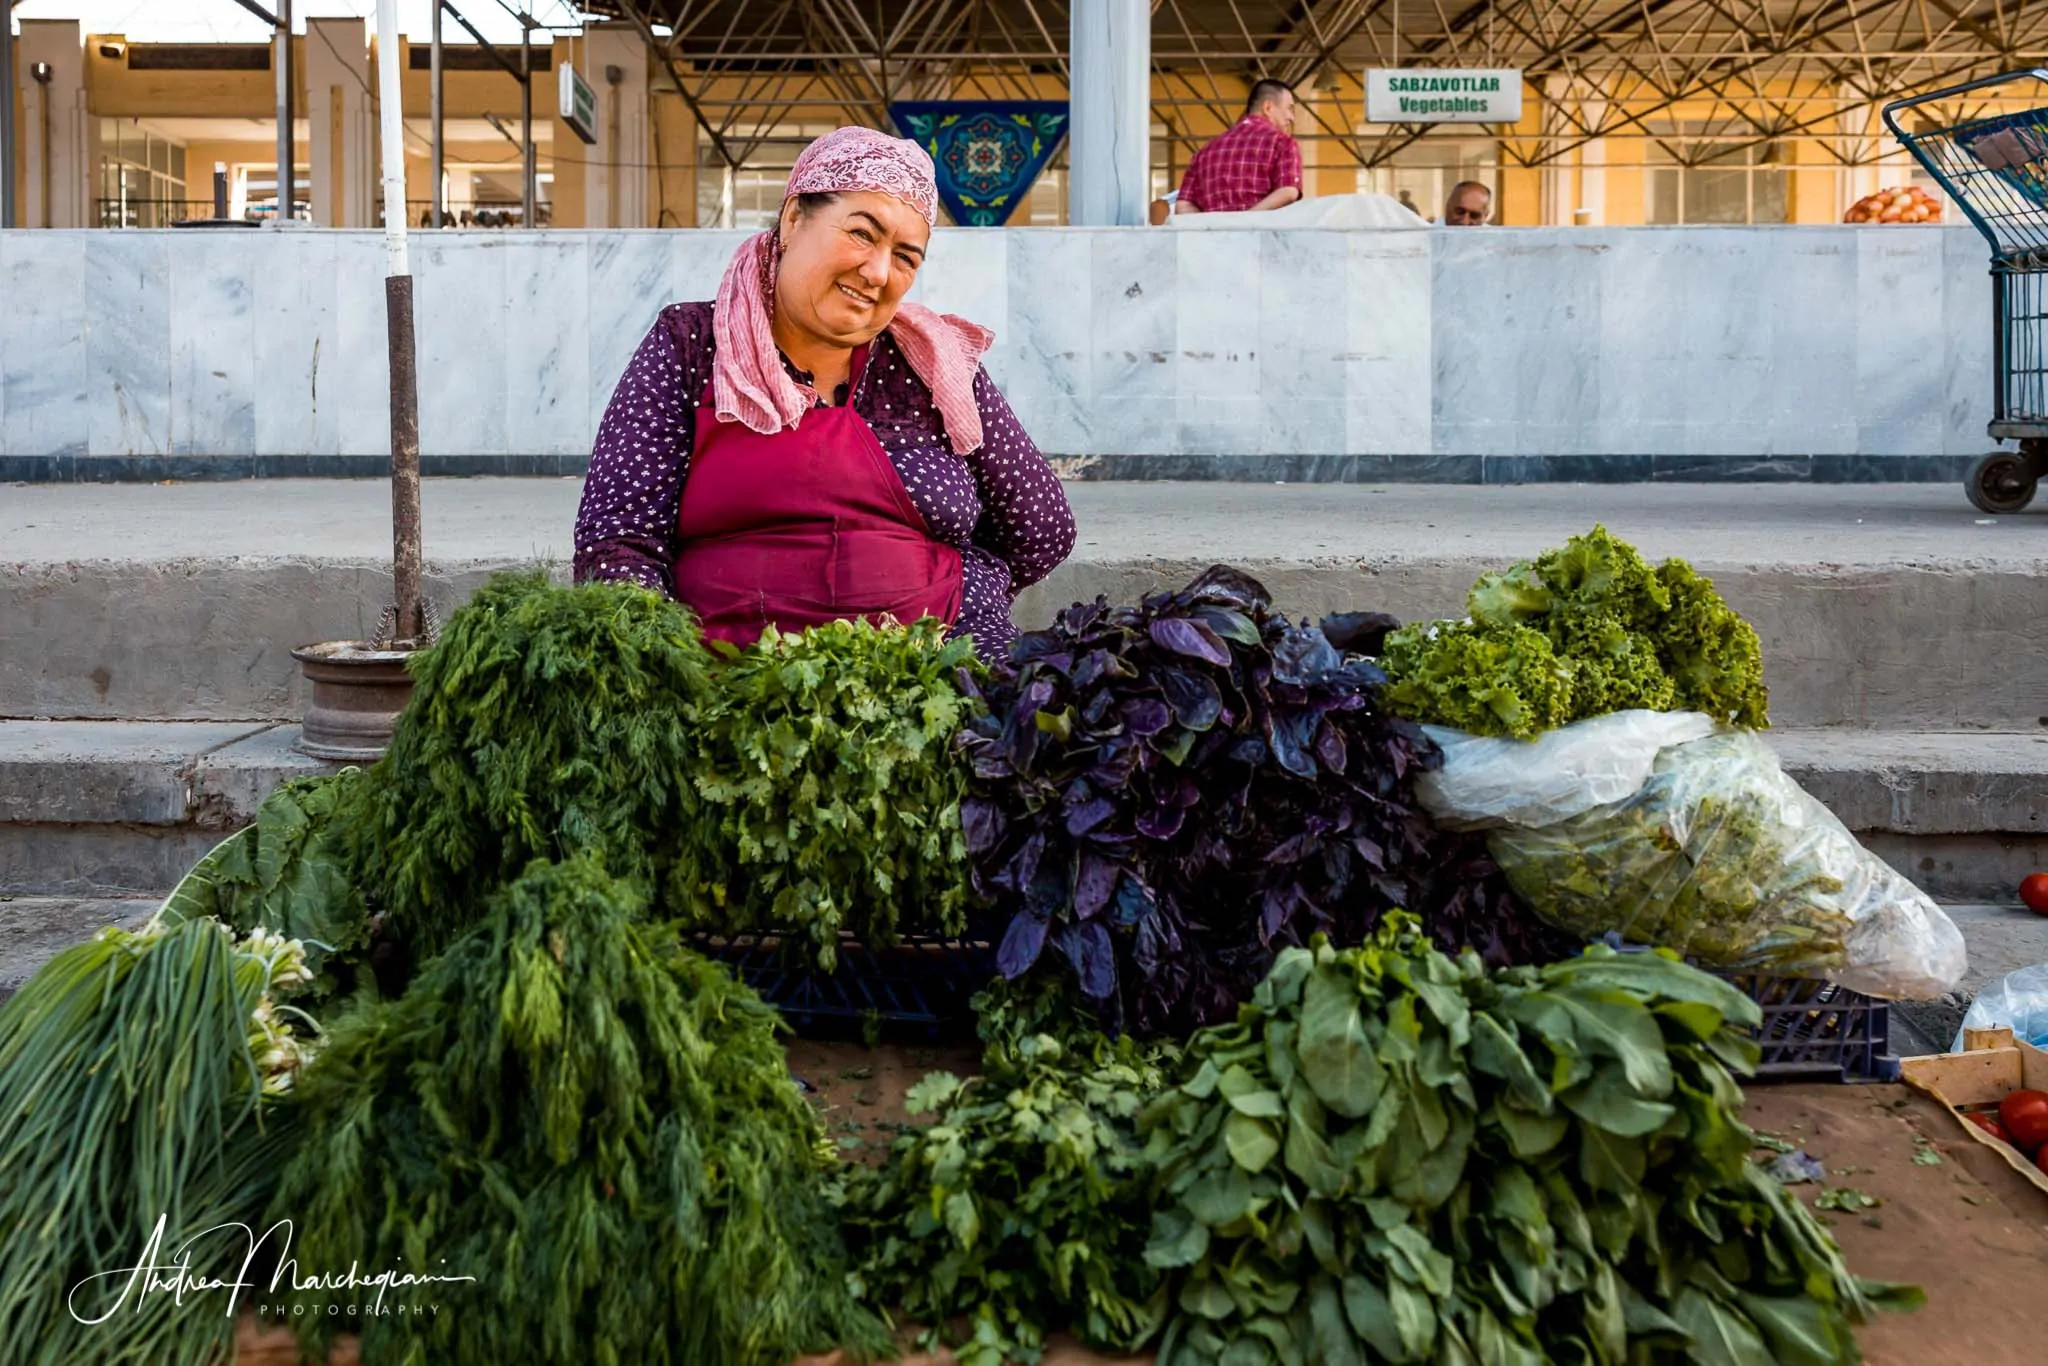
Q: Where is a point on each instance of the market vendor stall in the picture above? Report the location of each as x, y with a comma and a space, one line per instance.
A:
1274, 1065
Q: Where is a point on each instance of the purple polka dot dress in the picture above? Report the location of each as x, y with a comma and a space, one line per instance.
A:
1000, 505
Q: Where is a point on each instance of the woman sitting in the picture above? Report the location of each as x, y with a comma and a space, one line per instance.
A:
810, 447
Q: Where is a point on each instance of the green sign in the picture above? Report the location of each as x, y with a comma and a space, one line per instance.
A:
579, 104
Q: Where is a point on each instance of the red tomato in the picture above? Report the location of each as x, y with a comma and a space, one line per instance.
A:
2025, 1117
2034, 891
1990, 1125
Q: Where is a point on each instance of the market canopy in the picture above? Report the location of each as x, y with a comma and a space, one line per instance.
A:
1605, 68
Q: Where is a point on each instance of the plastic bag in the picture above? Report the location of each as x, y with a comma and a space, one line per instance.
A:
2020, 1002
1487, 782
1723, 858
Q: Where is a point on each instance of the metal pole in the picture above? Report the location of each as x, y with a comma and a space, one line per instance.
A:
410, 624
287, 133
526, 119
9, 215
434, 82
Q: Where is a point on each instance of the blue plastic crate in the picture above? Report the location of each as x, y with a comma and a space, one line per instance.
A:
923, 982
1817, 1031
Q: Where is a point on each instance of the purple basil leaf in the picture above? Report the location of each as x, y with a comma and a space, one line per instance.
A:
1290, 744
1146, 716
1194, 697
1330, 748
982, 823
1229, 624
1161, 822
1018, 874
1359, 633
1133, 901
1087, 947
1022, 943
1305, 656
1231, 587
1094, 883
1089, 814
1190, 638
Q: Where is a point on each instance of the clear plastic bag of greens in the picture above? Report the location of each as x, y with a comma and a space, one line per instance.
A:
1722, 857
1489, 781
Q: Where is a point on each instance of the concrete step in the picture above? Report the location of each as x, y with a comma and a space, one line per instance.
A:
1884, 608
110, 808
93, 808
34, 929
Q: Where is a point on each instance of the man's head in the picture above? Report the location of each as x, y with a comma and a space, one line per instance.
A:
1469, 205
1272, 101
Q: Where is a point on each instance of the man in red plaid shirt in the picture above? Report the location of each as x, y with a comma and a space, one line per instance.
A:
1255, 165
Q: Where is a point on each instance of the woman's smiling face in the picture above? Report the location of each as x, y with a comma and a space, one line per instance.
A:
846, 264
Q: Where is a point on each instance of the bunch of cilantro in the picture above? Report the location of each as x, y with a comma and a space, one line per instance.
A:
1581, 631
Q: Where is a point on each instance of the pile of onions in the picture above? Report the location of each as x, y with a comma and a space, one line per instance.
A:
1905, 204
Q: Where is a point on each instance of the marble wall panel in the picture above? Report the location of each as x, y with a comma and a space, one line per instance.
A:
1301, 351
1811, 287
968, 274
127, 343
1727, 338
1135, 342
1473, 349
1967, 314
630, 283
213, 346
1217, 335
45, 402
1388, 330
547, 381
1047, 368
1645, 390
353, 395
700, 262
296, 293
1779, 344
1899, 392
463, 289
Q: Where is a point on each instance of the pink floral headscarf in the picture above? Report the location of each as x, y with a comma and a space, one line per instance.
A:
749, 384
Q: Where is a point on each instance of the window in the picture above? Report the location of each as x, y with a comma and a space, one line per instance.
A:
1695, 173
1421, 174
751, 196
142, 178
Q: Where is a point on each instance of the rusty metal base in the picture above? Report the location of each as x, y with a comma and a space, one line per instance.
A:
358, 692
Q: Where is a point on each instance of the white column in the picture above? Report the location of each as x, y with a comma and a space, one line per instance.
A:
1109, 148
54, 133
340, 121
615, 168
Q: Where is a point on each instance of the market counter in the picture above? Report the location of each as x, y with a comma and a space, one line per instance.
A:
1967, 1228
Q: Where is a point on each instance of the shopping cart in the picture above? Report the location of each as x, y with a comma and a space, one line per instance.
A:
1996, 167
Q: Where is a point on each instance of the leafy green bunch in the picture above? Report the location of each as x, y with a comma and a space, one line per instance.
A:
287, 872
1023, 1206
1718, 856
1394, 1156
1583, 630
545, 721
805, 785
593, 1121
141, 1077
828, 789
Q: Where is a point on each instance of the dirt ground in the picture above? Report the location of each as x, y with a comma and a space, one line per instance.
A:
1966, 1228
